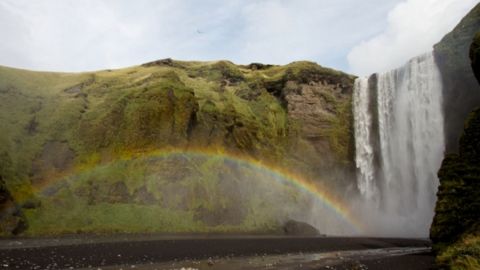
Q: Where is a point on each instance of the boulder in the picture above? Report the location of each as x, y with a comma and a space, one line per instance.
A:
293, 227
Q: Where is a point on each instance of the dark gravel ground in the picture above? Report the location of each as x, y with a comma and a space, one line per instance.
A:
422, 261
90, 252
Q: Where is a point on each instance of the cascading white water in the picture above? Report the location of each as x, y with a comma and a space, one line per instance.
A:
364, 149
400, 188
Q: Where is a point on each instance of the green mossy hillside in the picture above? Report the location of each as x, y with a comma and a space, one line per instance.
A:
57, 125
179, 193
455, 230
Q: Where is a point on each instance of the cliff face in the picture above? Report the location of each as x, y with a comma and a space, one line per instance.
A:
84, 143
474, 56
461, 93
455, 230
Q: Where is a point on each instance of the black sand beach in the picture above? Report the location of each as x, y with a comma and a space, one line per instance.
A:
94, 252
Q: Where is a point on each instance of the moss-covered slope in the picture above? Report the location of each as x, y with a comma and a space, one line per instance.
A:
80, 144
455, 230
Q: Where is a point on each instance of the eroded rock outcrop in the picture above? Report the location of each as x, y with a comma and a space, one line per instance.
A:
322, 111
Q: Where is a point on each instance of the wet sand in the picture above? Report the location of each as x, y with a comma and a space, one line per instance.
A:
140, 251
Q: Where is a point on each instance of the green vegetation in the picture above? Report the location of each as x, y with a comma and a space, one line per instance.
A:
77, 144
173, 193
455, 231
463, 254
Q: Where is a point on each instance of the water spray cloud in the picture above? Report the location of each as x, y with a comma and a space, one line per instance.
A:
283, 176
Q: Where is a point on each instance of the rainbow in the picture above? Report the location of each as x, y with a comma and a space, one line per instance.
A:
279, 174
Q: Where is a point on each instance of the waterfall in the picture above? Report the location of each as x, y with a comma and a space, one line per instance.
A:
399, 140
364, 149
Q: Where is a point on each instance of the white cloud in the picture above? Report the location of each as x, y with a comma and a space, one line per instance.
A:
71, 35
414, 26
322, 31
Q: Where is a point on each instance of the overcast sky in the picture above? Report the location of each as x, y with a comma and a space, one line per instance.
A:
356, 36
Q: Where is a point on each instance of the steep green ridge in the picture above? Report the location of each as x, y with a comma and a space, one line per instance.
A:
461, 93
77, 148
455, 230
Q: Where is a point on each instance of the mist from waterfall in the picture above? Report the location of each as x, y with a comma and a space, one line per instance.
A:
399, 139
